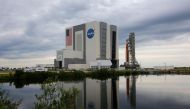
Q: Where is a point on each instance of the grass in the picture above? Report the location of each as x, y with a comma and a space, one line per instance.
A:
6, 73
5, 76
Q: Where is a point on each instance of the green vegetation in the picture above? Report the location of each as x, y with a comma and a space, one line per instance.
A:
6, 102
20, 78
6, 72
176, 70
6, 75
71, 75
103, 74
54, 96
182, 70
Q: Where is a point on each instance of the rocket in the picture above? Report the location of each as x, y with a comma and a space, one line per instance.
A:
127, 52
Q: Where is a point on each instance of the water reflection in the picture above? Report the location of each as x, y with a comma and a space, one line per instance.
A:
54, 97
131, 90
101, 94
87, 94
6, 102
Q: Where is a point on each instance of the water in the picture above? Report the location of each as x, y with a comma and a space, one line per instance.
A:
134, 92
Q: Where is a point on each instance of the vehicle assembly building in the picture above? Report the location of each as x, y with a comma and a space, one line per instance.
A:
90, 45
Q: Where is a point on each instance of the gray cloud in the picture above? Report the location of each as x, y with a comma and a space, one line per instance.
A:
36, 28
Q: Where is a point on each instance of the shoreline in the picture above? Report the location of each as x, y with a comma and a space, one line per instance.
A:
20, 78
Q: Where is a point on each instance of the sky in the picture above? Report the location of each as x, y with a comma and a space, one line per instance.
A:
32, 30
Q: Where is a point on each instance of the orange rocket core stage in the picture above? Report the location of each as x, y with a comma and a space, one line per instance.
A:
127, 53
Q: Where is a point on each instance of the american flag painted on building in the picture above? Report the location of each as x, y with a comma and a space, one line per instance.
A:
69, 37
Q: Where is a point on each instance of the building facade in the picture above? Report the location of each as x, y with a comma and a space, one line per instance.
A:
89, 43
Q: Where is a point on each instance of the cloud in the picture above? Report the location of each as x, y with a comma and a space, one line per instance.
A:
34, 29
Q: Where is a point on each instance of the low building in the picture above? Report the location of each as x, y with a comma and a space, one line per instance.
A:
39, 68
44, 67
98, 64
29, 69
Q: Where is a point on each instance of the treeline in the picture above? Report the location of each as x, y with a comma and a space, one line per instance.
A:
20, 78
173, 71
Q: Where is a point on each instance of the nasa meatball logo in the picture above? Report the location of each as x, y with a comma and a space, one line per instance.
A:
90, 33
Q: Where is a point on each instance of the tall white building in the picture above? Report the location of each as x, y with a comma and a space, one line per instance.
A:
90, 44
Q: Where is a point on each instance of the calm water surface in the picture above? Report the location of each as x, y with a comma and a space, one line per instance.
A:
134, 92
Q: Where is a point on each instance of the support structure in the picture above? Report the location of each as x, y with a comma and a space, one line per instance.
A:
131, 61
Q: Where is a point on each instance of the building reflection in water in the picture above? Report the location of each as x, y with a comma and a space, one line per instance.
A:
91, 94
95, 94
102, 94
131, 90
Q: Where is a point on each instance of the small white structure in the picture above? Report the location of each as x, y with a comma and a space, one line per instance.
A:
43, 67
35, 69
98, 64
29, 69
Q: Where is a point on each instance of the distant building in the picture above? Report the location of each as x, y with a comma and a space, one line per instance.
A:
4, 68
163, 67
45, 65
29, 69
93, 43
39, 68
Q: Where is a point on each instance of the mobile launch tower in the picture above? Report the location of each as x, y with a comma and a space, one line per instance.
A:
131, 61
